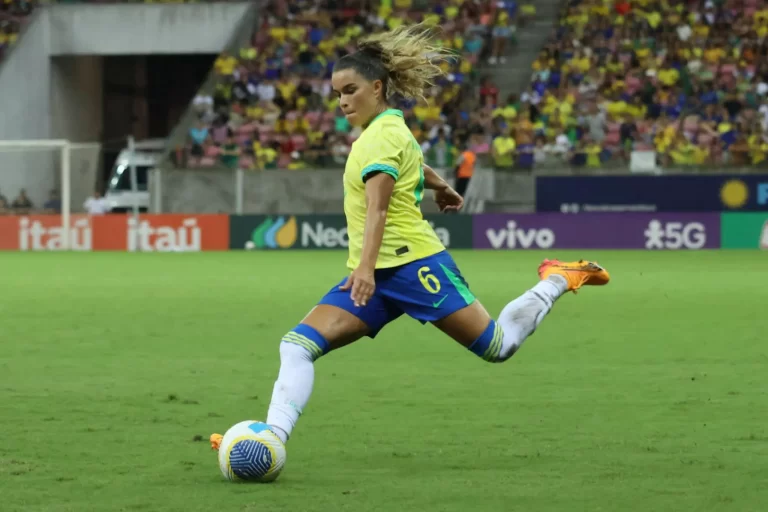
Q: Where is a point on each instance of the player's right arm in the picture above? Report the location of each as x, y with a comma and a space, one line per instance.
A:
445, 197
380, 164
378, 192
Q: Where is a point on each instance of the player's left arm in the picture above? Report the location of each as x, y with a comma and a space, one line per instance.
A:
432, 180
446, 198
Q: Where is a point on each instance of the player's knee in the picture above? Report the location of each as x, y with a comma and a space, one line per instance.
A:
489, 345
303, 341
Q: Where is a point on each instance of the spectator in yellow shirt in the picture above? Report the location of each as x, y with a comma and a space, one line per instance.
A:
503, 151
668, 76
527, 11
580, 63
225, 64
542, 62
758, 148
616, 107
653, 17
666, 132
637, 109
684, 152
592, 149
611, 66
713, 54
429, 112
287, 87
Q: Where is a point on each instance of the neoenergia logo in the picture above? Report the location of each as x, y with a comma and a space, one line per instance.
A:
275, 233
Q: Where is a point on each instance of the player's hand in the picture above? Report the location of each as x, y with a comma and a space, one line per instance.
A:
448, 200
362, 284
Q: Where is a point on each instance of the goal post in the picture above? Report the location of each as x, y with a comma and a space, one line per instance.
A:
40, 167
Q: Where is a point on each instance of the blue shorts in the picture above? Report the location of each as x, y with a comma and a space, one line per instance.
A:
428, 289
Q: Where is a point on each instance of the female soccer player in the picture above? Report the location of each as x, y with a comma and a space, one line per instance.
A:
397, 263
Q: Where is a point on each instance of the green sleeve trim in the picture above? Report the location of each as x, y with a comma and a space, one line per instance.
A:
386, 169
419, 191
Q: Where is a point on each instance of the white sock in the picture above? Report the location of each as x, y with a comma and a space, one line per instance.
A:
520, 318
292, 389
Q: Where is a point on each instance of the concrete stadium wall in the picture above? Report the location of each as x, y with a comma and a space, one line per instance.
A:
275, 191
130, 29
213, 191
92, 30
320, 190
51, 82
24, 82
77, 85
25, 113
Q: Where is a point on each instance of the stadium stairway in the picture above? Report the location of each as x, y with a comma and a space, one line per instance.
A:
515, 74
515, 191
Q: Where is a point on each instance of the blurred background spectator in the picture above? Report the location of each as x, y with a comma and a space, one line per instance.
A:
22, 204
96, 204
53, 204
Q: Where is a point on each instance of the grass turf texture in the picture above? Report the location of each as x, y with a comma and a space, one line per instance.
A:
648, 394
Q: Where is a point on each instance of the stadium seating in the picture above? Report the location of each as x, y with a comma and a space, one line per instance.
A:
273, 107
681, 78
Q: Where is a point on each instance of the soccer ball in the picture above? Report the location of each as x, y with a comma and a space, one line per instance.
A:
251, 452
250, 245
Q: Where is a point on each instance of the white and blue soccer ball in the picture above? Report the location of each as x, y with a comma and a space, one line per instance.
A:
251, 452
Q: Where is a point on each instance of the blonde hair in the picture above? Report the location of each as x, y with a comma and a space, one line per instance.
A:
405, 59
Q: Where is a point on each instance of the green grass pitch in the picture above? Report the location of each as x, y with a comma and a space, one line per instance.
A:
648, 394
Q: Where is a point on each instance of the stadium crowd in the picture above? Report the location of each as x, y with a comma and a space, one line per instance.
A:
273, 106
682, 79
687, 79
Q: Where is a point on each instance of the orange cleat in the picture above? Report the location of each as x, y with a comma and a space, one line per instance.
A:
576, 273
216, 441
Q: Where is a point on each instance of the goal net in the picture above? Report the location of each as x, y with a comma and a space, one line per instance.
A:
43, 187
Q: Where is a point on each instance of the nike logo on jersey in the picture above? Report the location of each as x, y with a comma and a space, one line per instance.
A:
437, 304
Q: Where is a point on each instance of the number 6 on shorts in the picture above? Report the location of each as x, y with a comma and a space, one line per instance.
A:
428, 280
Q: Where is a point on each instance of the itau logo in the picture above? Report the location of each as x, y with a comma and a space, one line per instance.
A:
34, 236
147, 237
275, 233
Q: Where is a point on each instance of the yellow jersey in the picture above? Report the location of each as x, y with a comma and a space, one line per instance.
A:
387, 145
